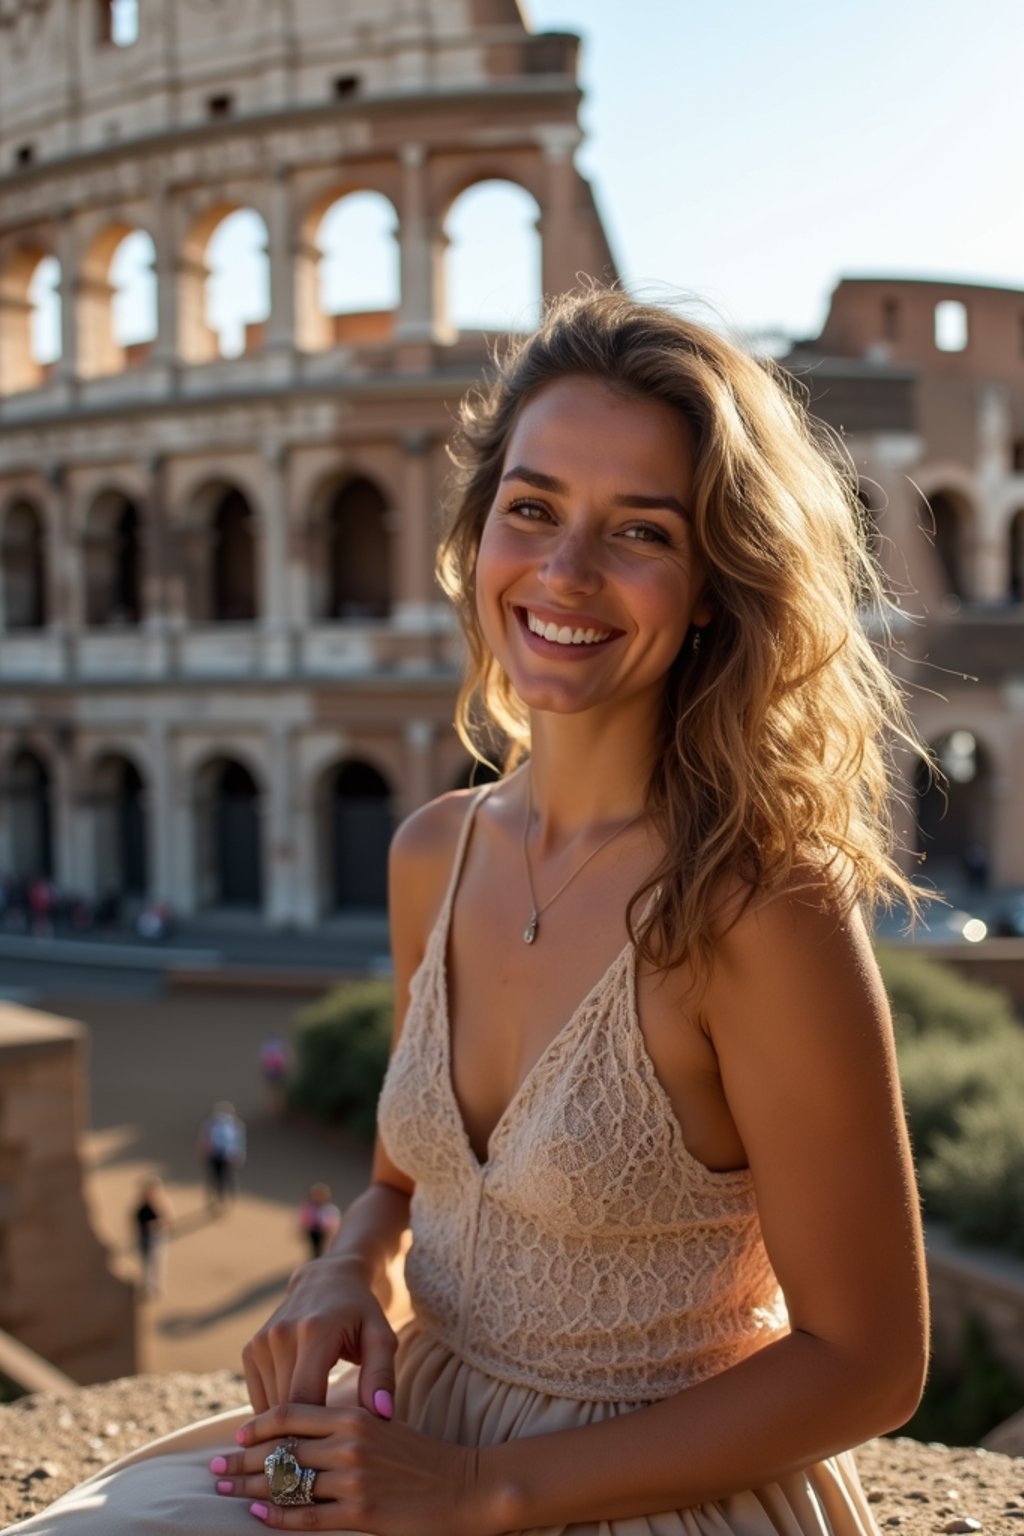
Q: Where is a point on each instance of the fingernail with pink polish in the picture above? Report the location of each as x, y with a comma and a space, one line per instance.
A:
259, 1510
241, 1437
383, 1403
224, 1486
219, 1464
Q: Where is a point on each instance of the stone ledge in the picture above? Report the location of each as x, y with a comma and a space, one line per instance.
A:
53, 1440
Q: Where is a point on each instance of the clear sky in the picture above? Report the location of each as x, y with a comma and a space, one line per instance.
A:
753, 151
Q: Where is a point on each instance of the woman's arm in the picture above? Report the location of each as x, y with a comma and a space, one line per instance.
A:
334, 1309
798, 1017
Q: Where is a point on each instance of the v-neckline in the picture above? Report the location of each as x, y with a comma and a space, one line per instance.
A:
482, 1166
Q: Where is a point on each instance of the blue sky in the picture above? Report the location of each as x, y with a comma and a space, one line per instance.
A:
752, 151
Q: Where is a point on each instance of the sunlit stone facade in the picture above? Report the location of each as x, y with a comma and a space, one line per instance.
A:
224, 667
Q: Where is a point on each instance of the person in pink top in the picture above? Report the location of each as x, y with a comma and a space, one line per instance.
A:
641, 1121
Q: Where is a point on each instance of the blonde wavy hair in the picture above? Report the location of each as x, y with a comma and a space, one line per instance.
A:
777, 737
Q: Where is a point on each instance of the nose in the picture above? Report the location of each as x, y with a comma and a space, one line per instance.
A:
571, 565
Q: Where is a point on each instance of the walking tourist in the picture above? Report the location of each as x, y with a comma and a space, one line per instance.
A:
222, 1149
642, 1116
319, 1219
151, 1219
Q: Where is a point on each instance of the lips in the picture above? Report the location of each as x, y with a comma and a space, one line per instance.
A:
571, 631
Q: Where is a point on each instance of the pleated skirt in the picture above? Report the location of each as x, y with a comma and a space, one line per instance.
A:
165, 1488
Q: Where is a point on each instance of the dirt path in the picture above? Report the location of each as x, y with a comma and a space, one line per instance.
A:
156, 1067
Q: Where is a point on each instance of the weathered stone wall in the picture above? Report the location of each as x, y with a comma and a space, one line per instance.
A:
57, 1294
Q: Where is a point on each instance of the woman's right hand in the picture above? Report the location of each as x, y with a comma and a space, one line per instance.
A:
329, 1314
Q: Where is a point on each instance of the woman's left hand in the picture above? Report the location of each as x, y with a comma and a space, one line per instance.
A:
373, 1474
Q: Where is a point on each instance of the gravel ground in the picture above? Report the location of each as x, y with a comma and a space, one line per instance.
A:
52, 1441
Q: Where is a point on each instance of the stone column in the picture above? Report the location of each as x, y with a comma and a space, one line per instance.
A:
559, 261
280, 331
273, 555
65, 813
160, 812
157, 555
164, 232
66, 366
413, 564
278, 832
421, 317
989, 562
418, 787
64, 573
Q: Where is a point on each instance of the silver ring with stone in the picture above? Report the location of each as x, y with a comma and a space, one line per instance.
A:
289, 1482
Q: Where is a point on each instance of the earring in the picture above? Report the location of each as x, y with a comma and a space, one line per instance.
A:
695, 642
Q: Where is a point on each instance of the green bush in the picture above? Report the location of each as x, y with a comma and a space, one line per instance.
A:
961, 1055
341, 1054
974, 1177
928, 997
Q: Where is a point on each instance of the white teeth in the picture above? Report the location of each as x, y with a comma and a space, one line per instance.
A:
564, 634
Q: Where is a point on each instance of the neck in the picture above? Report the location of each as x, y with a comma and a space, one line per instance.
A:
587, 773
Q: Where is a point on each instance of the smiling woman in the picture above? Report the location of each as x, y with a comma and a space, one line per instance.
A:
666, 1264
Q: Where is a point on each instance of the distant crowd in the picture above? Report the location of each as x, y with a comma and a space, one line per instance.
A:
38, 906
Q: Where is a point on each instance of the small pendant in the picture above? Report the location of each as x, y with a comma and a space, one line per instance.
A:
530, 931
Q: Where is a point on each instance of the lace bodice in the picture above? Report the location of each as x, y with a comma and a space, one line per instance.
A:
591, 1256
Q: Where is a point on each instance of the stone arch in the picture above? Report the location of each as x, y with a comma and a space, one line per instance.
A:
228, 834
351, 549
23, 561
119, 811
951, 526
104, 346
1015, 537
956, 814
24, 364
355, 820
493, 261
112, 560
29, 809
220, 538
224, 273
348, 281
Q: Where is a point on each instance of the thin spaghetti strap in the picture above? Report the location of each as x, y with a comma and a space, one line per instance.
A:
460, 854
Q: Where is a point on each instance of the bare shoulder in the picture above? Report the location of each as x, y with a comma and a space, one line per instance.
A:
419, 867
799, 945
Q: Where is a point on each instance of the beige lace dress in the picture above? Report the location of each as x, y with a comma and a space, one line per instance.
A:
589, 1266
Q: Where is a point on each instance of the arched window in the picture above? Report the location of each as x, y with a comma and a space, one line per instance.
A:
948, 518
358, 553
22, 542
951, 326
357, 824
955, 818
112, 562
1017, 557
493, 266
233, 561
30, 319
228, 834
30, 827
238, 287
133, 277
119, 808
359, 267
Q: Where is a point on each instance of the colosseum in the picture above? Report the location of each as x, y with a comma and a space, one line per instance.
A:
224, 667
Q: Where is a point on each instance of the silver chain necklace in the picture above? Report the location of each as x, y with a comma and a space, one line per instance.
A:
536, 912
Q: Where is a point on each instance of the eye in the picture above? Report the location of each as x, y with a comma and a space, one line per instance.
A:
646, 533
526, 507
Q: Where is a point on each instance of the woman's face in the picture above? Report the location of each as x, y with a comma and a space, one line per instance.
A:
586, 577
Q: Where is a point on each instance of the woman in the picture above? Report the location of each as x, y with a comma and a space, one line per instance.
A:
642, 1113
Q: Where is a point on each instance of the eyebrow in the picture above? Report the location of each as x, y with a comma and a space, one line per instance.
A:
558, 487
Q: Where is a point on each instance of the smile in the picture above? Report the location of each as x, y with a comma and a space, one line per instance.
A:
564, 634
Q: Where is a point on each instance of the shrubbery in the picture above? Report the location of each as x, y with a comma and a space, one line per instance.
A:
341, 1053
962, 1064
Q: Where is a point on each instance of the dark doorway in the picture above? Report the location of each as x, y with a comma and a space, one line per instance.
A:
361, 824
359, 554
955, 817
24, 569
234, 860
31, 825
233, 561
121, 863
